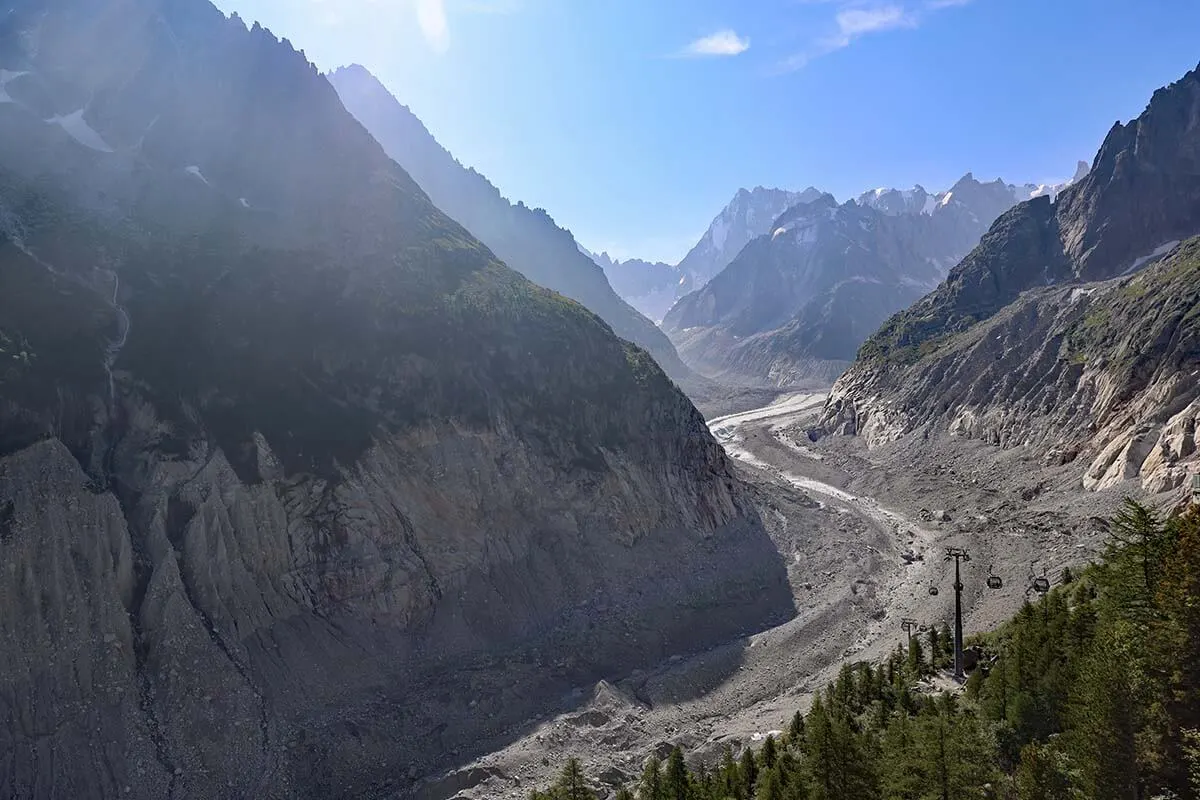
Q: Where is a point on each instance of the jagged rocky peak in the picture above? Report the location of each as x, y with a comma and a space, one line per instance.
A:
750, 214
1143, 188
282, 441
979, 198
896, 201
1070, 329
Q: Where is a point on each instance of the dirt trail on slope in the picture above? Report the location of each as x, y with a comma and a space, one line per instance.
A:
857, 565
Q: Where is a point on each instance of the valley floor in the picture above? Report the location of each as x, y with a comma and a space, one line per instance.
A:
864, 536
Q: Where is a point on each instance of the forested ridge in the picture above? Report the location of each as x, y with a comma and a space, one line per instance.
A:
1091, 692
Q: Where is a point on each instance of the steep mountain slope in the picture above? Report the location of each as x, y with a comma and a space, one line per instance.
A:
651, 288
749, 215
302, 491
1035, 338
526, 239
795, 305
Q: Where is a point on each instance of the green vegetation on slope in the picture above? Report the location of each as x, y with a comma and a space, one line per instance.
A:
1150, 318
1093, 692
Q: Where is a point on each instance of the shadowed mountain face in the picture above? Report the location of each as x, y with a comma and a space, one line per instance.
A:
302, 491
795, 304
1060, 330
526, 239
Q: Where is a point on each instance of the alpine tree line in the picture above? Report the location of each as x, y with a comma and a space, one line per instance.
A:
1092, 693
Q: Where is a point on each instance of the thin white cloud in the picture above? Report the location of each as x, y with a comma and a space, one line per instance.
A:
855, 20
431, 18
721, 43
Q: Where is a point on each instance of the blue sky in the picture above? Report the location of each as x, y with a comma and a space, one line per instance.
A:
633, 122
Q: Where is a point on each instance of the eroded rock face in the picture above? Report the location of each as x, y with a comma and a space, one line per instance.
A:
303, 635
1106, 372
69, 656
302, 492
1037, 340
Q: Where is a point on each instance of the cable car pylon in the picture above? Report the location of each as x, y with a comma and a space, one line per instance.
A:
959, 555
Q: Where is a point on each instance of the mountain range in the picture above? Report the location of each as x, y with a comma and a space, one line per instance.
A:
794, 305
293, 468
1071, 330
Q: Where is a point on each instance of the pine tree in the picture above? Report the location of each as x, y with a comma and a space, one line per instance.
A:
676, 783
748, 773
1176, 657
902, 768
916, 658
1039, 776
795, 736
866, 686
972, 756
729, 780
1102, 732
771, 786
623, 794
1134, 560
936, 735
945, 656
571, 783
839, 765
704, 783
844, 688
651, 786
768, 755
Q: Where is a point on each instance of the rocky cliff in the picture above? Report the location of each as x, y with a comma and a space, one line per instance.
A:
302, 491
1062, 330
526, 239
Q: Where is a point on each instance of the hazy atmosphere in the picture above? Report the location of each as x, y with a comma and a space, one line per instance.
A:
631, 121
569, 400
